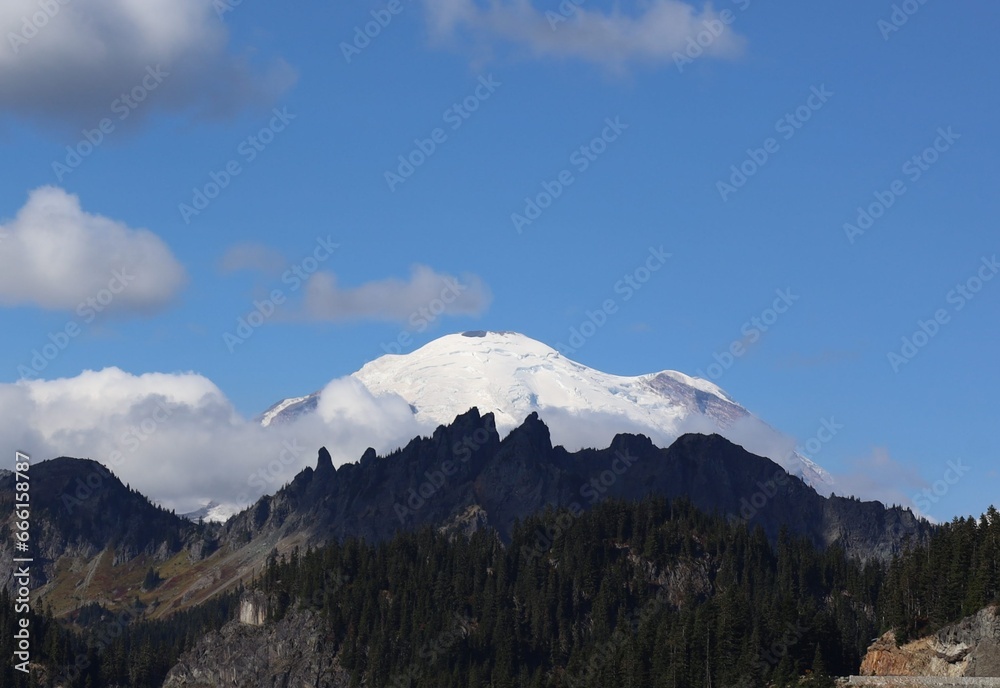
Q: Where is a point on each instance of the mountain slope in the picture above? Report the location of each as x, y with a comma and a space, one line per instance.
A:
512, 376
94, 538
96, 545
465, 477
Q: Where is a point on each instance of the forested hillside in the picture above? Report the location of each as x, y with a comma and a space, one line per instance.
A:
649, 593
956, 575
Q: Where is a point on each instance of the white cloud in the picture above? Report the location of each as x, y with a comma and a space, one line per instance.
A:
68, 60
610, 39
581, 429
57, 256
177, 438
365, 420
427, 295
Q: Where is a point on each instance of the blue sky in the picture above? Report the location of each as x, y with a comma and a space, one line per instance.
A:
891, 91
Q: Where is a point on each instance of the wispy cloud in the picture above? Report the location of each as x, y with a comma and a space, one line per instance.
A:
396, 300
882, 477
612, 40
253, 257
821, 359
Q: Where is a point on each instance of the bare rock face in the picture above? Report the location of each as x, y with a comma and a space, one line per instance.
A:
981, 633
254, 608
246, 653
969, 648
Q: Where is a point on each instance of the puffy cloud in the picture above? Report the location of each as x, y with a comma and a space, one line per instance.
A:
578, 429
177, 438
609, 39
69, 60
57, 256
427, 294
364, 420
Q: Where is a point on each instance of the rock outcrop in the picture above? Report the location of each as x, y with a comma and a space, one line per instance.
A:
254, 609
292, 653
970, 648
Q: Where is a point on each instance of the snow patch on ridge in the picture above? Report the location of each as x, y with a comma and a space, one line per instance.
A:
272, 413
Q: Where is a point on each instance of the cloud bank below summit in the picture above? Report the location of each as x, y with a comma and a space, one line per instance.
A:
178, 439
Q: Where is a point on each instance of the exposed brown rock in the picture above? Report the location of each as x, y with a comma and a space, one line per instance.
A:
970, 648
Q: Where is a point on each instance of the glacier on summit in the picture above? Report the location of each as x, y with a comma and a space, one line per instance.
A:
512, 376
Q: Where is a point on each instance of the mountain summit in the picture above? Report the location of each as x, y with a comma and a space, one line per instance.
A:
512, 376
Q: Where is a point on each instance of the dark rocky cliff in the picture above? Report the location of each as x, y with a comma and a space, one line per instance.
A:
465, 475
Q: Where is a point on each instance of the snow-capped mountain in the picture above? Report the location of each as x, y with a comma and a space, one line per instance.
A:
212, 511
512, 375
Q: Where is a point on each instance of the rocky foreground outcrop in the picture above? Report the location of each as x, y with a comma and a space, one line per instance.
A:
250, 653
969, 648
